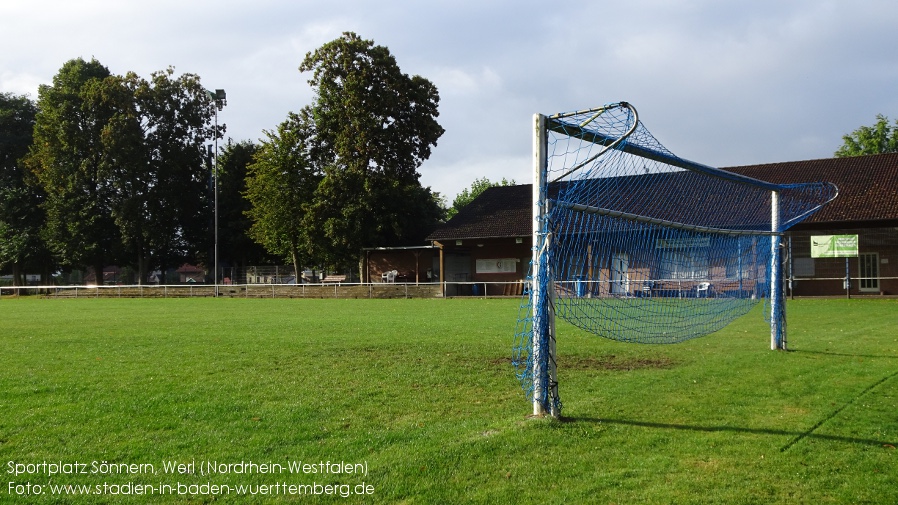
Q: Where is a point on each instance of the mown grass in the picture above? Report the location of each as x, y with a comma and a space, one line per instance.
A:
424, 393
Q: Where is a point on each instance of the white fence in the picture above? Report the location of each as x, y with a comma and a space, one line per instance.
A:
321, 290
369, 290
304, 290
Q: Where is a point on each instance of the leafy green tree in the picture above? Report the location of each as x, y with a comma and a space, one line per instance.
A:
69, 165
279, 185
121, 159
877, 139
21, 217
373, 128
177, 119
468, 195
235, 246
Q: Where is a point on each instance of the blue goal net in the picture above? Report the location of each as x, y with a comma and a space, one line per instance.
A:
635, 244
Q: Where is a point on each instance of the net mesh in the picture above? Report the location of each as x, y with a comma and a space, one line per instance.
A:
640, 245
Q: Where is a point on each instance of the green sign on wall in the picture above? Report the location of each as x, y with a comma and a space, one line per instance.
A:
834, 246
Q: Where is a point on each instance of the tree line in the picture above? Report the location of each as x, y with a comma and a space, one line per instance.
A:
110, 169
105, 169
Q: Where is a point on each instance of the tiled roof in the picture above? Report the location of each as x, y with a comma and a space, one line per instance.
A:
868, 192
500, 211
868, 185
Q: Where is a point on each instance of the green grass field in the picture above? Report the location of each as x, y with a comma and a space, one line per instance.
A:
422, 392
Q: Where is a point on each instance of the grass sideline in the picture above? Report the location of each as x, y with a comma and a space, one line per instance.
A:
423, 392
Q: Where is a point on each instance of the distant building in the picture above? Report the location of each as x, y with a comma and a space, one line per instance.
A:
191, 273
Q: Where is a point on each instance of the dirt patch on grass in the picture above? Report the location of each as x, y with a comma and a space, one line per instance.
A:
607, 362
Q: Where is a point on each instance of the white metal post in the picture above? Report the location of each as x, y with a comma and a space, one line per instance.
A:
777, 310
543, 342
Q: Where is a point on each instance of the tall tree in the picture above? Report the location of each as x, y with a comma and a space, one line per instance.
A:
121, 159
177, 117
374, 126
279, 185
69, 166
21, 217
468, 195
235, 246
877, 139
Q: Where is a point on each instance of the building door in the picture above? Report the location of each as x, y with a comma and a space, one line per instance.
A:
620, 278
868, 269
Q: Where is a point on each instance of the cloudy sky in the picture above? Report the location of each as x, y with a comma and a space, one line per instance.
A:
723, 83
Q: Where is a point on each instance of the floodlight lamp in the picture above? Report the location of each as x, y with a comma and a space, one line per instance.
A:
221, 98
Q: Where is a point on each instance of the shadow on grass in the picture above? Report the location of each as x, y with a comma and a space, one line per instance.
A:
847, 355
796, 436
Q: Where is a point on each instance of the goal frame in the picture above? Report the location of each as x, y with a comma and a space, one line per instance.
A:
543, 354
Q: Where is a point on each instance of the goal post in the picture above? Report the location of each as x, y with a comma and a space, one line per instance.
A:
545, 380
635, 244
777, 291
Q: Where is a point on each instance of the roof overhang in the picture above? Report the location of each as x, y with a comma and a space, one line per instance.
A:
401, 248
478, 237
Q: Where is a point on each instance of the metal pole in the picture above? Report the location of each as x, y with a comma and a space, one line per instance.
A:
215, 182
442, 269
791, 270
219, 100
777, 313
545, 387
847, 279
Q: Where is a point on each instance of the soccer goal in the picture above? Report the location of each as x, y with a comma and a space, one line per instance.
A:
635, 244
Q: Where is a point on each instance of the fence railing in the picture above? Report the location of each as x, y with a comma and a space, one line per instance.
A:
841, 286
320, 290
302, 290
384, 290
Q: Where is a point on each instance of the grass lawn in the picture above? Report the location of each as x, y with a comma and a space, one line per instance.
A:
422, 393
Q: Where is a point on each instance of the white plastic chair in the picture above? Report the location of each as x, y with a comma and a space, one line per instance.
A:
647, 287
704, 287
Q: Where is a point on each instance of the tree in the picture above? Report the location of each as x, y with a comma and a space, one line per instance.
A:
176, 115
279, 185
123, 156
877, 139
467, 196
373, 127
21, 217
69, 166
121, 159
235, 245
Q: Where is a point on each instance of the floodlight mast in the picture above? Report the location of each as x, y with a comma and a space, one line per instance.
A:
220, 100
